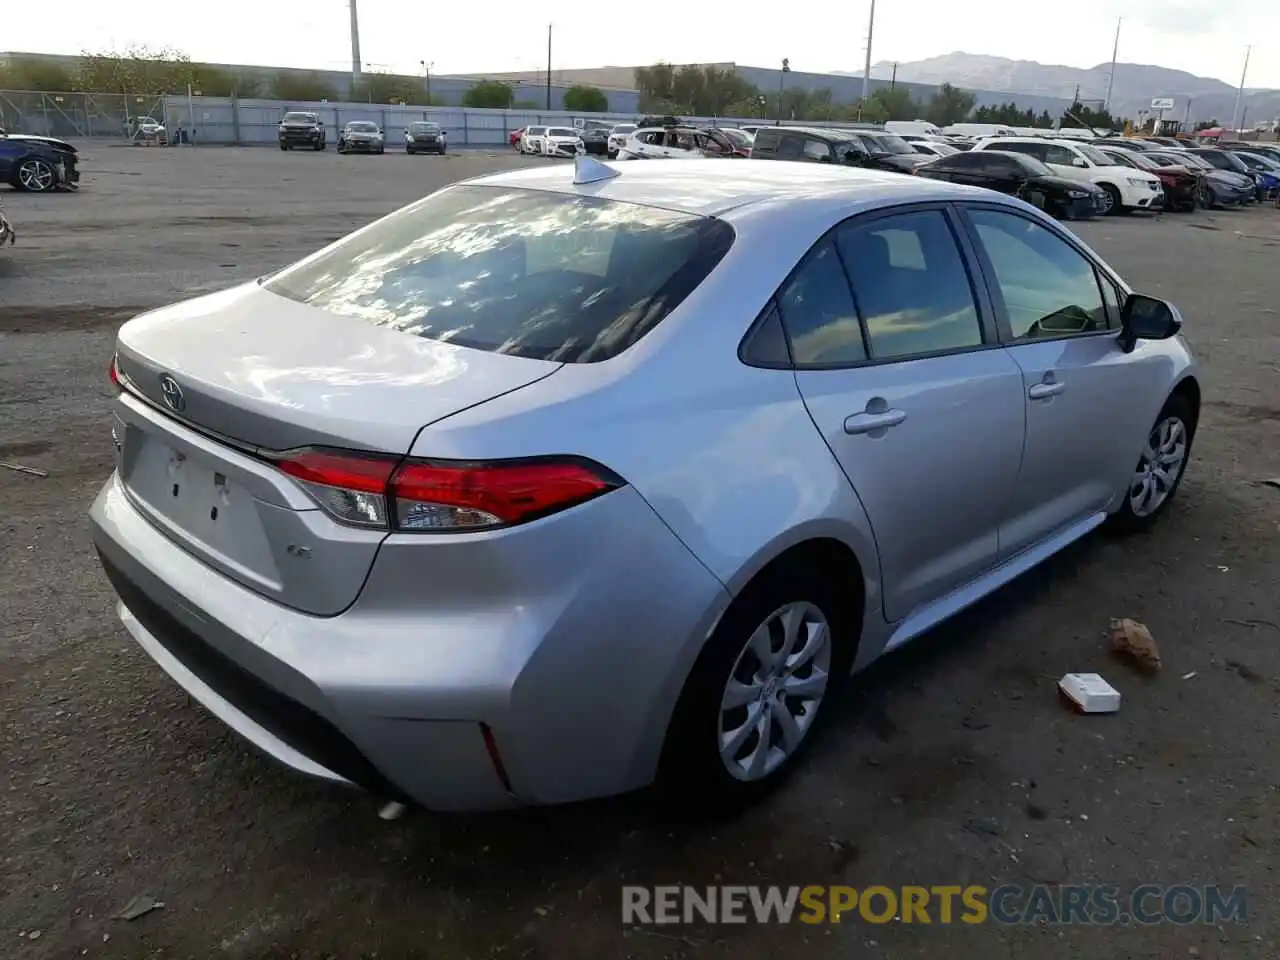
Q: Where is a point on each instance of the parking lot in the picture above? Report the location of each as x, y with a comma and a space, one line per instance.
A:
953, 761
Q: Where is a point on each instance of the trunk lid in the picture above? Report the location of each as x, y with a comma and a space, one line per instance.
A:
229, 377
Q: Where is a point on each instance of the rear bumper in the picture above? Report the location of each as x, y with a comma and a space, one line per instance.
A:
572, 650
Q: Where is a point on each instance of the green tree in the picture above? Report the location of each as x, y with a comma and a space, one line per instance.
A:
895, 103
702, 91
585, 99
1078, 115
139, 69
948, 105
300, 85
32, 73
212, 82
1044, 121
489, 93
870, 110
387, 88
525, 105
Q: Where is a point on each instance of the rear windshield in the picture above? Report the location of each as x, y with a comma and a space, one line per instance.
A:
300, 118
536, 274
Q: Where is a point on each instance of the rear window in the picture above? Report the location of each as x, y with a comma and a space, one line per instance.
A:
535, 274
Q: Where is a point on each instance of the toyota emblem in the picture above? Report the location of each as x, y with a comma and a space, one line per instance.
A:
172, 393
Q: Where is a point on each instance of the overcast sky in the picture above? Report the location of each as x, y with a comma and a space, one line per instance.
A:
1205, 37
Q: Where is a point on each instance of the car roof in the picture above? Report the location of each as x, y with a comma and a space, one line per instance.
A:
828, 133
708, 187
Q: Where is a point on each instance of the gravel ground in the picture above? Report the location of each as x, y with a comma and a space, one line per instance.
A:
953, 762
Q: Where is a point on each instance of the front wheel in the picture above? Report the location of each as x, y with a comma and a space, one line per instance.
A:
757, 691
1160, 467
319, 145
35, 176
284, 146
1111, 206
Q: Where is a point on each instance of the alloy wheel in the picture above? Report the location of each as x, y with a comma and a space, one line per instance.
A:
774, 691
36, 176
1159, 467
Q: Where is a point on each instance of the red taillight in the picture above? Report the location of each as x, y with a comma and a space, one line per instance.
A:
439, 495
114, 372
442, 496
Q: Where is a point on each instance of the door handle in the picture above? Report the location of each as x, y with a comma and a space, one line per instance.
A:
1042, 391
870, 422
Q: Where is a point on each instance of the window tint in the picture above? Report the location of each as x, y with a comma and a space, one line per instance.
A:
789, 147
963, 161
1030, 149
1055, 153
1049, 288
818, 311
816, 150
530, 273
912, 289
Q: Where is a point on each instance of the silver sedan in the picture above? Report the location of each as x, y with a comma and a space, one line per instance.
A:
562, 482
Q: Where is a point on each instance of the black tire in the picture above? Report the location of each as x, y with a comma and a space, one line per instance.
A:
319, 145
35, 175
692, 778
1126, 520
442, 151
1116, 208
284, 146
408, 150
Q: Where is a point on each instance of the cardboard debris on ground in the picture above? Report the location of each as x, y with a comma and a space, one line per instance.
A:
1089, 693
139, 906
1132, 640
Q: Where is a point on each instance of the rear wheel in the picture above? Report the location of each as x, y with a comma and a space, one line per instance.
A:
284, 146
1160, 468
757, 691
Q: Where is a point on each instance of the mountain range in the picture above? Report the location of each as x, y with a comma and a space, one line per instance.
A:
1136, 84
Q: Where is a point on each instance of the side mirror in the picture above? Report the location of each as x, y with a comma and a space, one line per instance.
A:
1147, 318
1080, 162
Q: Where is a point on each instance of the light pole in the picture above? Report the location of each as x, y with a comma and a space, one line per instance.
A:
548, 66
355, 43
1235, 110
426, 71
782, 78
1111, 77
866, 73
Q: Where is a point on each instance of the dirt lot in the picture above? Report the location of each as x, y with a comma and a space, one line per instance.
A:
953, 763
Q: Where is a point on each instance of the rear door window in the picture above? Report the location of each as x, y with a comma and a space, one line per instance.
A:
790, 147
816, 150
536, 274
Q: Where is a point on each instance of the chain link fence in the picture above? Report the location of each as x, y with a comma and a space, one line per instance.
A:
77, 115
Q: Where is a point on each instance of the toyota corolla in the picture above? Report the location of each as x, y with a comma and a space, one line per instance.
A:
562, 482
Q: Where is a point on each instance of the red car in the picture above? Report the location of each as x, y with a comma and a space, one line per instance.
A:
514, 138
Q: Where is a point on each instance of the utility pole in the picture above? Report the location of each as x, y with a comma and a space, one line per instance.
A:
893, 80
548, 66
1186, 120
866, 73
1075, 97
1235, 110
782, 79
1111, 77
355, 43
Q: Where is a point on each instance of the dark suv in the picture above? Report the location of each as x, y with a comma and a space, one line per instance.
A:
300, 128
856, 148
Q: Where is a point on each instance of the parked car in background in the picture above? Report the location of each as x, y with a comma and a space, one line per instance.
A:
822, 145
425, 136
1218, 187
361, 136
890, 151
932, 149
514, 137
919, 128
1127, 189
618, 137
1271, 149
740, 140
8, 235
1132, 144
531, 139
1264, 170
1182, 189
1170, 143
38, 164
679, 141
1021, 176
147, 128
1228, 162
560, 142
595, 138
395, 534
301, 128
